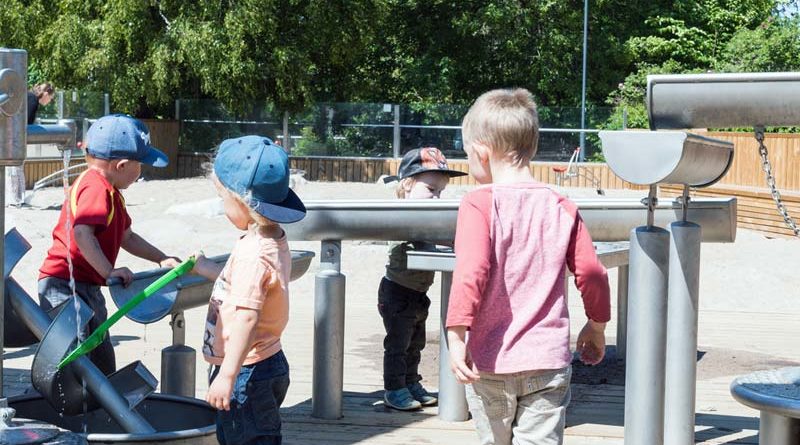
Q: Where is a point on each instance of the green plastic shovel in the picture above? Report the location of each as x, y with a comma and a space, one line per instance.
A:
97, 336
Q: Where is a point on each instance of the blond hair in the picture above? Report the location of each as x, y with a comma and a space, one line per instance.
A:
246, 200
506, 121
400, 190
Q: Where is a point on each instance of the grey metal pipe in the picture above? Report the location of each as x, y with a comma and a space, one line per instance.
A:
435, 220
775, 429
681, 363
723, 100
452, 398
63, 134
647, 326
3, 268
328, 365
622, 311
96, 383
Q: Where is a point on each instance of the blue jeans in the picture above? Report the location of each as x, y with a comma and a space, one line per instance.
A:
254, 417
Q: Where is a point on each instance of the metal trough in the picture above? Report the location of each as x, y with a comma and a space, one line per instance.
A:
185, 292
723, 100
608, 220
666, 157
176, 420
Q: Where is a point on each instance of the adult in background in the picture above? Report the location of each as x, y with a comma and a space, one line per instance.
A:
40, 94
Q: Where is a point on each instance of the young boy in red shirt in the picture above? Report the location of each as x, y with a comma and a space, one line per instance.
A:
99, 225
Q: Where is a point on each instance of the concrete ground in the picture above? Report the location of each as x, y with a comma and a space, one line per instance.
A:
748, 302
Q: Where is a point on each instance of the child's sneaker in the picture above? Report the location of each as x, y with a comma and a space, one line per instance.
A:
401, 399
421, 394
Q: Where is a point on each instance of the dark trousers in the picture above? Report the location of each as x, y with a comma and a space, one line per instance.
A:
254, 417
54, 292
404, 312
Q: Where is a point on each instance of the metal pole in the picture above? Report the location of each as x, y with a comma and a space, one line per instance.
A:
60, 105
625, 118
582, 154
452, 398
681, 364
775, 429
622, 311
647, 326
287, 139
328, 366
106, 104
178, 365
2, 267
396, 136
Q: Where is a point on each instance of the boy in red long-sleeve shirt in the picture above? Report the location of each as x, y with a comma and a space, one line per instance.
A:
507, 320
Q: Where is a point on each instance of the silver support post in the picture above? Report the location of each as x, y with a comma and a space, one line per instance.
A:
396, 135
582, 154
177, 109
681, 364
452, 398
106, 104
178, 365
60, 105
647, 326
775, 429
625, 118
287, 139
2, 267
328, 367
622, 311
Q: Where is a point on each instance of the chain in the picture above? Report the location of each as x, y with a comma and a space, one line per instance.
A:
776, 195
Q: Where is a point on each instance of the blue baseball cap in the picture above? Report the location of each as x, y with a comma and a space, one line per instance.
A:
256, 165
119, 136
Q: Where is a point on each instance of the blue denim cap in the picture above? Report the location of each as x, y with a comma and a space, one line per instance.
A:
254, 165
119, 136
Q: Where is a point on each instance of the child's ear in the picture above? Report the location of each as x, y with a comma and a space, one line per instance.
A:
482, 152
121, 164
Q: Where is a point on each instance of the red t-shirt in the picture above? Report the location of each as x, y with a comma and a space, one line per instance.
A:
92, 201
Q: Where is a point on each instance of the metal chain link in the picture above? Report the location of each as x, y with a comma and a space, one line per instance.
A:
776, 195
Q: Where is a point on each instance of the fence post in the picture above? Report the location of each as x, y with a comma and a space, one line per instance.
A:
287, 139
106, 104
625, 118
396, 138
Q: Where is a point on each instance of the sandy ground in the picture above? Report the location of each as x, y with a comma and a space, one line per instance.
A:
744, 286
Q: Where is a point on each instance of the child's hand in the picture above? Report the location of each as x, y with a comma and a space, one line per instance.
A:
591, 343
170, 261
460, 361
122, 273
219, 393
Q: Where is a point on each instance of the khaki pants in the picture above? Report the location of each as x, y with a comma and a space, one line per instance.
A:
521, 408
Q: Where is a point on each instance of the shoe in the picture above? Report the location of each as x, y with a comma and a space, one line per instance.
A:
421, 395
401, 399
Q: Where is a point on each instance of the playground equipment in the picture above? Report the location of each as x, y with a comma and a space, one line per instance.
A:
435, 220
664, 264
119, 408
572, 170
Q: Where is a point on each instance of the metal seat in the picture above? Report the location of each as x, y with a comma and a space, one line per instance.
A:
776, 394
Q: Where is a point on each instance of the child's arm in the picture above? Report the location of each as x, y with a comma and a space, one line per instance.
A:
592, 281
90, 249
473, 253
138, 246
206, 268
239, 343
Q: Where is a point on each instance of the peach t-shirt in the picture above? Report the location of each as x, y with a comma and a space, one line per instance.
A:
256, 276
